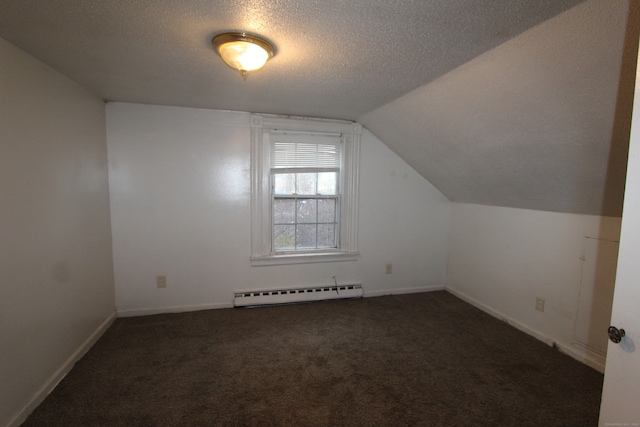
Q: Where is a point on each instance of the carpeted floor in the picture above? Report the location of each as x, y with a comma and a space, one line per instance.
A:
410, 360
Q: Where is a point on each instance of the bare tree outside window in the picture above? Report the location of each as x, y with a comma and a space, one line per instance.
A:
301, 222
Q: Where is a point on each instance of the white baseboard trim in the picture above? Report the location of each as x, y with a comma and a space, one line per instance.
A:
401, 291
173, 309
583, 355
51, 383
570, 350
520, 326
197, 307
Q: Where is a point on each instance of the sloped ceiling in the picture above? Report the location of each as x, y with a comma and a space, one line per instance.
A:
500, 102
539, 122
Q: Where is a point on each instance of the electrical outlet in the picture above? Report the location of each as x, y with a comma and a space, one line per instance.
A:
389, 268
540, 304
161, 281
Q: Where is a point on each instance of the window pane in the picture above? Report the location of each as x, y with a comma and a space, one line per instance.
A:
306, 236
306, 183
327, 210
326, 236
284, 237
284, 211
284, 183
307, 211
327, 183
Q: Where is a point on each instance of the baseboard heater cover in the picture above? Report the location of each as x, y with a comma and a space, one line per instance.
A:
291, 295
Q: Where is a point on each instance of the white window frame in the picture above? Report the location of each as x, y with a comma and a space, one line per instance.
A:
261, 212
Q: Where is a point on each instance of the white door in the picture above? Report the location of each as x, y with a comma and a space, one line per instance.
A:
621, 391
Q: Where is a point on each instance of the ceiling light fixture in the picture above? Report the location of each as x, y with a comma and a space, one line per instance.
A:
242, 51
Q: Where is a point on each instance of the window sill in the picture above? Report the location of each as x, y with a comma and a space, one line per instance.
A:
307, 258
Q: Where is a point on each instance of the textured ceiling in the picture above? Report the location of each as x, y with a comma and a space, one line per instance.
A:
335, 58
498, 102
539, 122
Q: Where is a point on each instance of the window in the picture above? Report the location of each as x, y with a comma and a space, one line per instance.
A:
305, 198
304, 190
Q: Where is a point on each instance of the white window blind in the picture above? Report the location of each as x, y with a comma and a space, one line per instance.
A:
295, 150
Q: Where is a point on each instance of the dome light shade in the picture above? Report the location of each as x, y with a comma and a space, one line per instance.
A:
242, 52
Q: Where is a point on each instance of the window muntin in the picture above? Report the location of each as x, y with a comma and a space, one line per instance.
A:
305, 223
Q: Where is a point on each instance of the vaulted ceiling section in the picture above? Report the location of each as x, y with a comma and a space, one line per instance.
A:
540, 122
519, 103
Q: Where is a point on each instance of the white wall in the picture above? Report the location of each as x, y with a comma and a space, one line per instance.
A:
180, 204
501, 259
56, 276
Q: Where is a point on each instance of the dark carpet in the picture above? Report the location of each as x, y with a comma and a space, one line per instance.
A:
425, 359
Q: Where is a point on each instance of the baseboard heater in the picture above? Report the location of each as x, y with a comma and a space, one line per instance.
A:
291, 295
